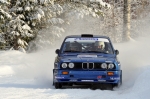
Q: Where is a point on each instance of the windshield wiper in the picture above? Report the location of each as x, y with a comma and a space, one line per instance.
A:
79, 44
97, 52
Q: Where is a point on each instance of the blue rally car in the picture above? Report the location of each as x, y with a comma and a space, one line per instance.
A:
87, 59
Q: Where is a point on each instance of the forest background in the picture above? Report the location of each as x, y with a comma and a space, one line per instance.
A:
30, 25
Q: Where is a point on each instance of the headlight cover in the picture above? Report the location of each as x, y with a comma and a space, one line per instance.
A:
104, 65
110, 66
71, 65
64, 65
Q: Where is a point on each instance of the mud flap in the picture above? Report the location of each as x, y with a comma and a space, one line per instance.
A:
102, 86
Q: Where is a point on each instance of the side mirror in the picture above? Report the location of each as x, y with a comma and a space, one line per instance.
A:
116, 52
57, 51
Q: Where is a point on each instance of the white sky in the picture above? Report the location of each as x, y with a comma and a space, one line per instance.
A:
29, 76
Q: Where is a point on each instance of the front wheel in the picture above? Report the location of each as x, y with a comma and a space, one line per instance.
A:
120, 82
58, 85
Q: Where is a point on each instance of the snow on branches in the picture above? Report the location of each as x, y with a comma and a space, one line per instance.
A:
18, 31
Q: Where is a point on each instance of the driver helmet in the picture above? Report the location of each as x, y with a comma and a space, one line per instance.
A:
100, 44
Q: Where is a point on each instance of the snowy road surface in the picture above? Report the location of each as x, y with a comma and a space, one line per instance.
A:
29, 76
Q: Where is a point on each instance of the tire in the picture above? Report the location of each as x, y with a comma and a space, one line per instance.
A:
120, 82
121, 78
53, 80
58, 85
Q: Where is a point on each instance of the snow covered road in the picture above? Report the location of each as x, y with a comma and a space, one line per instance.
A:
29, 76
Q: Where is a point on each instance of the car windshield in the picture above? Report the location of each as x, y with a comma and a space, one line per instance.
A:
87, 45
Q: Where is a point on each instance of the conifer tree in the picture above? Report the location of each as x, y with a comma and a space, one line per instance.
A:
29, 16
4, 18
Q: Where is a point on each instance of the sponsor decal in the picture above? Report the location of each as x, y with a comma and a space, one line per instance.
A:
99, 77
95, 39
115, 78
88, 80
59, 77
72, 80
101, 80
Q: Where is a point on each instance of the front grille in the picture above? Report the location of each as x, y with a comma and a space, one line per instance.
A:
97, 65
87, 66
91, 66
84, 65
78, 65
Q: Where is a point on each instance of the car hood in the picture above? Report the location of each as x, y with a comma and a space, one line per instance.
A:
88, 58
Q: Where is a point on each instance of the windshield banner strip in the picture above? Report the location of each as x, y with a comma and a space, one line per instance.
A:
86, 39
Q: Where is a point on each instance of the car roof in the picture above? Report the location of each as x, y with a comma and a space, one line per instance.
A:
86, 35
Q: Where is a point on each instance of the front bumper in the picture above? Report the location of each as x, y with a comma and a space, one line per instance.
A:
85, 76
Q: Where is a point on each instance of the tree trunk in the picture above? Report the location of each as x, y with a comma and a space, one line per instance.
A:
126, 20
113, 18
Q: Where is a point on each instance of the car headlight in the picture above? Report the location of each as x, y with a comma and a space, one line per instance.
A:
111, 66
64, 65
104, 65
71, 65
